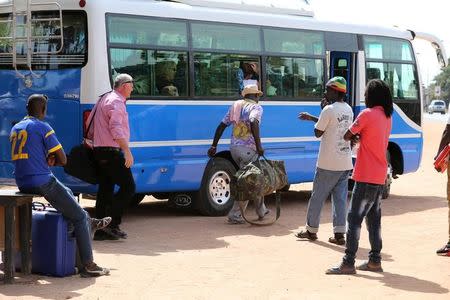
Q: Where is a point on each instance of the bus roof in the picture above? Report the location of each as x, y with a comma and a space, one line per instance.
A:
239, 15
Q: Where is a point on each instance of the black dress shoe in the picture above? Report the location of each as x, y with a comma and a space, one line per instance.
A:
102, 234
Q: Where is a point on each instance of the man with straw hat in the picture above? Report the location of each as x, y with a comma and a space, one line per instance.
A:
245, 116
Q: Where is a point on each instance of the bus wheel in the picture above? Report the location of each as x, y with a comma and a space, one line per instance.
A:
137, 198
387, 184
214, 197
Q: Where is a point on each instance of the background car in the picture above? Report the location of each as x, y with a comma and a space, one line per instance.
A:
437, 106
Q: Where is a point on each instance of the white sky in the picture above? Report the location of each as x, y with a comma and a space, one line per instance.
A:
431, 16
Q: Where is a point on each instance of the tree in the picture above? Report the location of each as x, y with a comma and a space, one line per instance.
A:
443, 81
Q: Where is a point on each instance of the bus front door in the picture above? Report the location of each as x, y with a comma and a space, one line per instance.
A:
343, 64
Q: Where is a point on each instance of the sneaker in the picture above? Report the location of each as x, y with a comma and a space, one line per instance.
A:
105, 234
305, 234
97, 224
444, 251
116, 231
93, 270
338, 239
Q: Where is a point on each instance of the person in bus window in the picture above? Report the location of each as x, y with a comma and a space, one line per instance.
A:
373, 125
445, 140
247, 73
245, 116
110, 133
334, 161
165, 72
35, 147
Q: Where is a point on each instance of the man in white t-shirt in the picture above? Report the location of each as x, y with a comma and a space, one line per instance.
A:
334, 162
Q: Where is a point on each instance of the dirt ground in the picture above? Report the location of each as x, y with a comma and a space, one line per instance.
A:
174, 255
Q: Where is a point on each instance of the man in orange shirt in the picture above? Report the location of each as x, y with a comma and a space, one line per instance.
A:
369, 175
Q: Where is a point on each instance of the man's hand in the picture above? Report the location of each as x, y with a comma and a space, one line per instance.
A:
323, 103
212, 151
305, 116
129, 160
51, 159
354, 140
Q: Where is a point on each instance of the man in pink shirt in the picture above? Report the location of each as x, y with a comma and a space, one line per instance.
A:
111, 136
373, 126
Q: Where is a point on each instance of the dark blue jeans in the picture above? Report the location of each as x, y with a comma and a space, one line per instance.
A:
365, 202
63, 200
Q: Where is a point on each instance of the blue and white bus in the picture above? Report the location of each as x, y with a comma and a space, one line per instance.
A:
184, 57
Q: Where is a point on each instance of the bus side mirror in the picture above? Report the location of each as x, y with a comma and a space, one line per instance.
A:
441, 60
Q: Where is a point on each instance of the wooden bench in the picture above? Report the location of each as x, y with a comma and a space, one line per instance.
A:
12, 200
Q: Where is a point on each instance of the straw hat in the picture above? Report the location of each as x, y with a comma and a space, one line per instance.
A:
251, 89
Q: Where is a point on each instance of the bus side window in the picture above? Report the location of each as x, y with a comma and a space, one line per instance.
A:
291, 77
216, 75
373, 73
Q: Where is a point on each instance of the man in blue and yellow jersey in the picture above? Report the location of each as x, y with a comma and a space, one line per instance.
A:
34, 148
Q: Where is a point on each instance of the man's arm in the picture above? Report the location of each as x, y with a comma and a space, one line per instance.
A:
307, 117
217, 135
348, 136
254, 125
57, 158
123, 144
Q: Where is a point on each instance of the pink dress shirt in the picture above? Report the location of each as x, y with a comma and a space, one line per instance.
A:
110, 121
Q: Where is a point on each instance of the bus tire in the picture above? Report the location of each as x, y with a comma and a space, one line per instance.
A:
214, 196
387, 184
137, 198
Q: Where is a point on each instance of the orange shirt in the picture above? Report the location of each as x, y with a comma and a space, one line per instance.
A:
374, 129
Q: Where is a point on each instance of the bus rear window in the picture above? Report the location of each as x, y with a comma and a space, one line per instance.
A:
46, 54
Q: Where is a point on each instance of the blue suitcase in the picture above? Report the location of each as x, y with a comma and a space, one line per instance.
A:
53, 246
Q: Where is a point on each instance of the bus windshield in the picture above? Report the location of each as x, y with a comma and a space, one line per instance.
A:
45, 54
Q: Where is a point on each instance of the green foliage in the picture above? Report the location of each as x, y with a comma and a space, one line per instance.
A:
443, 81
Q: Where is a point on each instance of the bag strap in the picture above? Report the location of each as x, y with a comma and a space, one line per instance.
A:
93, 112
278, 208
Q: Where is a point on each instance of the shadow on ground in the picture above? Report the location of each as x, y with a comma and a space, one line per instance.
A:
405, 283
179, 230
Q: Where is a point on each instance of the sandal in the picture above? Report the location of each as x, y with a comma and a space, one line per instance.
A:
338, 239
235, 221
93, 270
370, 266
305, 234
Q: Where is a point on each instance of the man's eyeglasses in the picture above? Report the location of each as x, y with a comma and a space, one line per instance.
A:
129, 81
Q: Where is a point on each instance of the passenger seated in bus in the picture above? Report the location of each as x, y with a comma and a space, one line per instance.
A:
169, 90
165, 74
180, 75
270, 89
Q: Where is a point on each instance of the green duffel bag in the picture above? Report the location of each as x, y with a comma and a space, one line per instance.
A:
258, 179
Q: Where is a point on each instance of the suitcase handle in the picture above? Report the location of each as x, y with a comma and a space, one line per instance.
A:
39, 206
